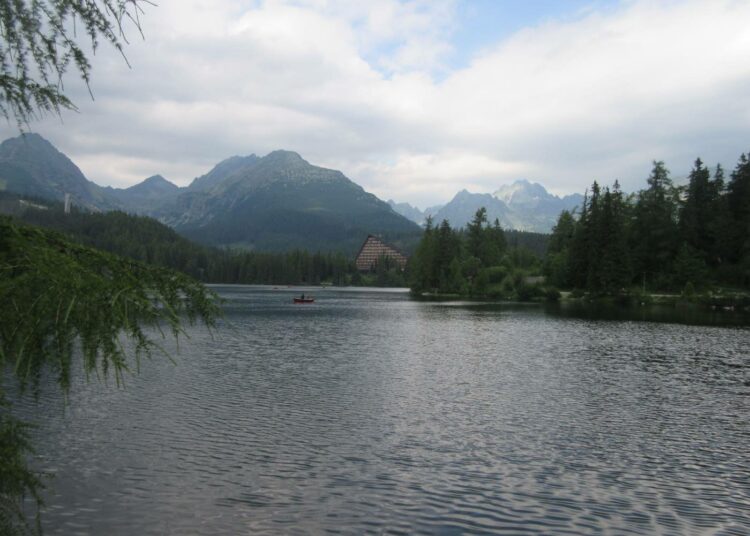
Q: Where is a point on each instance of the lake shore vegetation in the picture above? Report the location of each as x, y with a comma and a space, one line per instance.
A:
665, 243
476, 262
144, 239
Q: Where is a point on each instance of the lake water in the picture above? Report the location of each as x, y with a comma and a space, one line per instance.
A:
368, 412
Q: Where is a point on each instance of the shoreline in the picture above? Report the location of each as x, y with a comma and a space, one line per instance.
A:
729, 301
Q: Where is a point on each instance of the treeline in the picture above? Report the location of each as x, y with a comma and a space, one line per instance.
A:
145, 239
475, 261
536, 243
662, 238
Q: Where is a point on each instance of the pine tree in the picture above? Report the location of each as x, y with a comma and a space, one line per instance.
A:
596, 234
697, 211
738, 198
557, 262
496, 244
654, 236
562, 233
423, 275
615, 258
720, 223
448, 248
580, 247
476, 235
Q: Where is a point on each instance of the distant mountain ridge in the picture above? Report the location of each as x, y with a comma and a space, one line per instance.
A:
31, 165
522, 205
154, 185
281, 201
413, 213
407, 211
144, 197
461, 209
221, 172
276, 202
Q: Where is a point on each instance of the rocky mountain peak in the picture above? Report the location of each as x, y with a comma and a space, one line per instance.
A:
155, 184
522, 193
32, 146
222, 171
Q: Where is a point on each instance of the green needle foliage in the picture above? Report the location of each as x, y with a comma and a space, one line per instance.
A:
61, 301
38, 45
16, 479
664, 238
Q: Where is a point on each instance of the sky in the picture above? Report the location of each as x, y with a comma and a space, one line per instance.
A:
418, 99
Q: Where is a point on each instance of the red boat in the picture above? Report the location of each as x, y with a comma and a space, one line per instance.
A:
304, 300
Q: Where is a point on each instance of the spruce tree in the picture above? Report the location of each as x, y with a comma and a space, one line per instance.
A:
579, 248
424, 276
595, 229
654, 237
615, 258
448, 248
557, 262
697, 211
738, 199
720, 222
476, 235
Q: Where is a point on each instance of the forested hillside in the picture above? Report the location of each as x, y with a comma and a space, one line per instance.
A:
145, 239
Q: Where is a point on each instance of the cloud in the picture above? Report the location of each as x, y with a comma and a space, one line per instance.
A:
365, 87
406, 173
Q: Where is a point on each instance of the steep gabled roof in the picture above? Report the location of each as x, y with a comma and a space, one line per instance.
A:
372, 249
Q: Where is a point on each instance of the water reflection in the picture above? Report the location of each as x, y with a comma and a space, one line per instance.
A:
680, 314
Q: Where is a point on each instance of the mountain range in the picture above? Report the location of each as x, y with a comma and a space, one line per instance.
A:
523, 205
30, 165
281, 201
275, 202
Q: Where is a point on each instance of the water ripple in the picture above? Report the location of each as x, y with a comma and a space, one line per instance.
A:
368, 413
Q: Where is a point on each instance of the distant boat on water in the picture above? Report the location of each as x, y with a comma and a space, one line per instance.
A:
304, 300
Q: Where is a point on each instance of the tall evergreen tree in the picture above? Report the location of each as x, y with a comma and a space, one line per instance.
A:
654, 237
580, 247
557, 262
562, 233
424, 273
720, 224
448, 248
596, 232
738, 198
475, 233
697, 210
497, 244
615, 258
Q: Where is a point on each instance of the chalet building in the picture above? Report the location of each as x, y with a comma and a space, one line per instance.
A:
371, 252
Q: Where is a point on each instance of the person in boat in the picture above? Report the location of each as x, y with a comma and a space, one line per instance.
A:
303, 296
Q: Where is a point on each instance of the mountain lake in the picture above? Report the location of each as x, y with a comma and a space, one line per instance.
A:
370, 412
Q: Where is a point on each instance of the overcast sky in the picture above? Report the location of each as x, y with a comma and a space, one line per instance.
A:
416, 100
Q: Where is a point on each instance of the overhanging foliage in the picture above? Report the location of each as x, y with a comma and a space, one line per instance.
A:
62, 300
